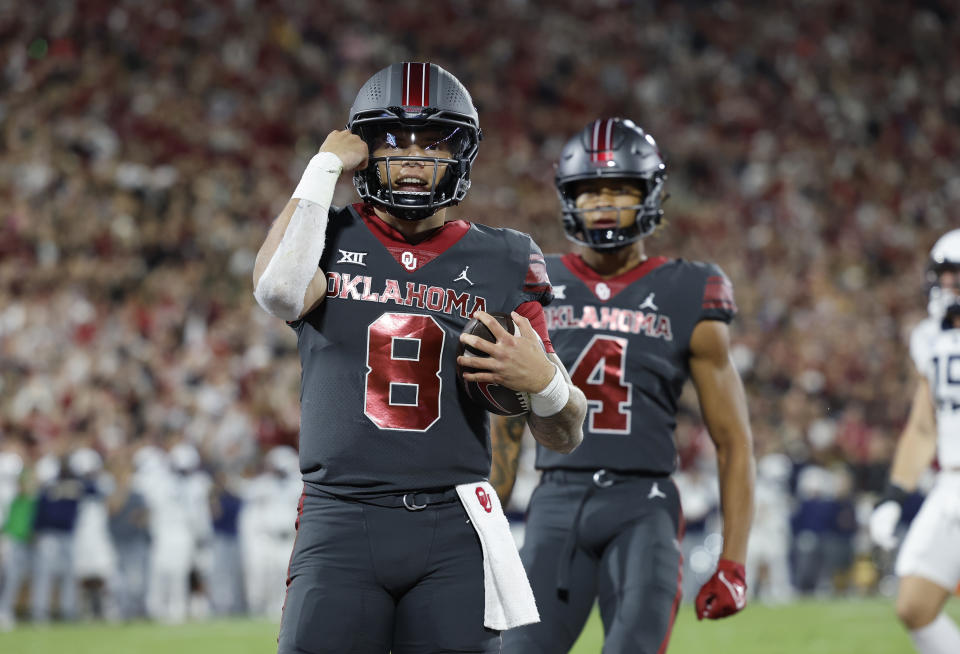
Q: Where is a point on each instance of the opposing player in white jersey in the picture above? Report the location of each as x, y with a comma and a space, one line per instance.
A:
929, 560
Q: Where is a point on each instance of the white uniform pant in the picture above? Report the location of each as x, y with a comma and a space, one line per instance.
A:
130, 586
266, 574
53, 563
16, 568
769, 552
932, 547
226, 588
168, 591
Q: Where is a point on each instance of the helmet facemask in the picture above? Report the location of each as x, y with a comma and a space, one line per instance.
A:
944, 298
620, 232
943, 279
415, 167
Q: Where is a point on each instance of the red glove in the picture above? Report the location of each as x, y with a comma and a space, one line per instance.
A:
725, 592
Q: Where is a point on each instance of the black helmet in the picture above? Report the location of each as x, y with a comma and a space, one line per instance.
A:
612, 148
407, 97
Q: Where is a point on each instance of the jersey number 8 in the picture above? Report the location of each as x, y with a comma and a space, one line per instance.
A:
403, 371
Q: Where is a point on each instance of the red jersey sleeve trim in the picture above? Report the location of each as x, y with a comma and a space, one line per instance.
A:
536, 280
718, 294
533, 311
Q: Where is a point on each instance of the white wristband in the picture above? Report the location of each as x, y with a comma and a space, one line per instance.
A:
319, 179
551, 400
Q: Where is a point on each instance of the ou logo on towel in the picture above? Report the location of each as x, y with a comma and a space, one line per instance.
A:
485, 500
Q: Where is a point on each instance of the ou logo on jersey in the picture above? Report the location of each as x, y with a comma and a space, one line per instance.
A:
484, 499
603, 291
408, 260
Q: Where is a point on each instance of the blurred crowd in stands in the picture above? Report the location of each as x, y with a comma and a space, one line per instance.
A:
813, 151
149, 533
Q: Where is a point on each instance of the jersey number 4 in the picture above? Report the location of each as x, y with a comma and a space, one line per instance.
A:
598, 372
403, 371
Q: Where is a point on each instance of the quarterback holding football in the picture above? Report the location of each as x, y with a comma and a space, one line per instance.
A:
401, 543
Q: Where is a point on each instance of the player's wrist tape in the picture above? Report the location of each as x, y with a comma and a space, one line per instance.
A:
319, 179
553, 398
893, 492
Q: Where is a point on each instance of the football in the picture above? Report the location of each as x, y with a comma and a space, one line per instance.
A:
492, 397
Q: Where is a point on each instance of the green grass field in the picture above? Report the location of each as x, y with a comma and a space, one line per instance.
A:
811, 627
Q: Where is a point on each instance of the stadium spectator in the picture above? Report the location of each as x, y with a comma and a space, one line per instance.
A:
226, 570
128, 520
95, 558
179, 526
55, 525
270, 507
15, 552
768, 551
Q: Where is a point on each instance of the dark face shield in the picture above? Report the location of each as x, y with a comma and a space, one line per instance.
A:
433, 141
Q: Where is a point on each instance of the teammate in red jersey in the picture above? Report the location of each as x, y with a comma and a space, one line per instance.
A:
394, 456
605, 521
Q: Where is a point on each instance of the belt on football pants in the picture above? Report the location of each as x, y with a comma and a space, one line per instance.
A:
601, 478
413, 501
598, 479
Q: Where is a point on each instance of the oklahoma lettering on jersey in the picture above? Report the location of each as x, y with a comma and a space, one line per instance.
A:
344, 286
612, 319
381, 409
625, 341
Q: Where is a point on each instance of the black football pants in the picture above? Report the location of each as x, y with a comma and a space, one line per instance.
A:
368, 579
624, 553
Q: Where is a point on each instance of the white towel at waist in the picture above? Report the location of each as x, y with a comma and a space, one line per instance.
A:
508, 599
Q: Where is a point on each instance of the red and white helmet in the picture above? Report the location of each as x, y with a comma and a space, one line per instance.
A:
412, 96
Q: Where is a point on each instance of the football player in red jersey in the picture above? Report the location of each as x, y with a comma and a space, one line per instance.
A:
605, 521
397, 517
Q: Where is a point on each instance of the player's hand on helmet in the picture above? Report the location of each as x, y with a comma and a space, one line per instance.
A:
886, 517
517, 362
725, 592
350, 148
